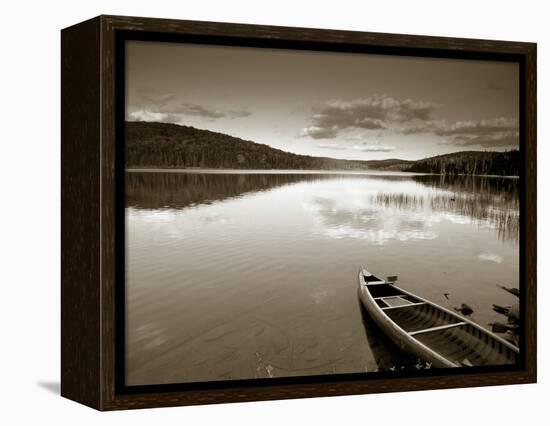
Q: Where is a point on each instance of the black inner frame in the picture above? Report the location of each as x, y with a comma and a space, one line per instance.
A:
121, 37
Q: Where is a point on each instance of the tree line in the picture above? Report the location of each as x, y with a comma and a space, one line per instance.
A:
164, 145
172, 146
505, 163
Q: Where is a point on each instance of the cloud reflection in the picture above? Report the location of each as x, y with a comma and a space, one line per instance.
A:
359, 219
489, 257
374, 208
382, 211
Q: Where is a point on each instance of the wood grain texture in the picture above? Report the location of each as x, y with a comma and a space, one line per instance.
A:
530, 189
89, 209
80, 213
108, 214
247, 394
265, 32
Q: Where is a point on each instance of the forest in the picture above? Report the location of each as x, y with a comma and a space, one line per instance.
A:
505, 163
164, 145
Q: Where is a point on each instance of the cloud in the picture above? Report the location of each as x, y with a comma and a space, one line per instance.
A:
389, 115
364, 147
497, 132
170, 109
480, 127
373, 113
333, 146
429, 126
146, 115
317, 132
491, 141
377, 148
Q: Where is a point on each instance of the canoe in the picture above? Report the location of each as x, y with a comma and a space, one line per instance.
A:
428, 331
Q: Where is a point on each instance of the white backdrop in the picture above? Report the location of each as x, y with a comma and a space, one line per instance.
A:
30, 212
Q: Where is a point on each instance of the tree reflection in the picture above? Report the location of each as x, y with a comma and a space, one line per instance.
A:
487, 201
491, 201
152, 190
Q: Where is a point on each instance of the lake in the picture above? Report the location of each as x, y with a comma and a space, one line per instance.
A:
243, 274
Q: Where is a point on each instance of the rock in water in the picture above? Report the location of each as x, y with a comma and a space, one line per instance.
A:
464, 309
511, 290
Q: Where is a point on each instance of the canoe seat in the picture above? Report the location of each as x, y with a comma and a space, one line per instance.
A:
413, 304
396, 300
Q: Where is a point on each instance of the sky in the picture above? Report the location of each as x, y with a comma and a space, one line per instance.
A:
339, 105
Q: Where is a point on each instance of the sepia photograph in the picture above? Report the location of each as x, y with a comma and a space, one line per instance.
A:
300, 213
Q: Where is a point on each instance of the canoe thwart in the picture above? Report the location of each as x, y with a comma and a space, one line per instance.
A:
440, 327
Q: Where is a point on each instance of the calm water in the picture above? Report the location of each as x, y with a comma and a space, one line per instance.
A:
245, 275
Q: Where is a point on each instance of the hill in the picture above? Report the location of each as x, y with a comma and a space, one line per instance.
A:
390, 164
164, 145
505, 163
169, 145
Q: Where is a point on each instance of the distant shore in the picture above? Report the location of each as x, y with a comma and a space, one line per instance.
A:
189, 148
292, 171
269, 171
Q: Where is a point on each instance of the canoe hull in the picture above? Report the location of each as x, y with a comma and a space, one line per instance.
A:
428, 331
396, 334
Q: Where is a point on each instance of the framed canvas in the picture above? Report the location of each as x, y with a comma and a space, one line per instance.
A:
255, 212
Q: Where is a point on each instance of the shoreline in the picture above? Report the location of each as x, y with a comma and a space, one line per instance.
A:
293, 171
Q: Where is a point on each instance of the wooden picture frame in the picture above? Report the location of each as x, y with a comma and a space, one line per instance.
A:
91, 206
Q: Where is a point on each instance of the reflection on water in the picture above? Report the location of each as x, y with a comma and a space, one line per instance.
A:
157, 190
487, 201
235, 275
494, 200
385, 355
